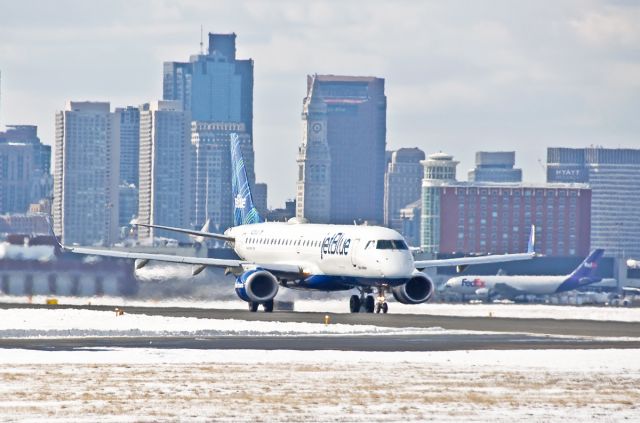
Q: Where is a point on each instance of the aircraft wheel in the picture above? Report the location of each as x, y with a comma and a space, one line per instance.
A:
268, 306
253, 307
369, 304
385, 308
354, 304
378, 308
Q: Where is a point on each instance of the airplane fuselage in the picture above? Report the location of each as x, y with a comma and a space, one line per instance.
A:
537, 285
331, 257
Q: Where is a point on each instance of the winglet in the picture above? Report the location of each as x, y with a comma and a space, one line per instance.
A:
53, 234
531, 245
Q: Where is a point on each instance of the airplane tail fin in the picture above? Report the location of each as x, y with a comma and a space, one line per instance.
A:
586, 272
531, 245
244, 212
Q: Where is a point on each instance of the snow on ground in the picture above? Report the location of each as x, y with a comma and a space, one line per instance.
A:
523, 311
342, 306
77, 323
191, 385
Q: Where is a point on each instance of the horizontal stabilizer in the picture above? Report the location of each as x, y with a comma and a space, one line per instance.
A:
189, 232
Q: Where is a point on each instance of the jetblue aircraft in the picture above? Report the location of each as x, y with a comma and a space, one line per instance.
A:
308, 256
512, 286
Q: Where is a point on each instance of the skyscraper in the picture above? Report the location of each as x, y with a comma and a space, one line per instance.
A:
127, 206
313, 199
165, 162
16, 174
439, 170
259, 195
402, 185
213, 87
211, 171
613, 175
216, 89
129, 118
129, 134
87, 170
495, 166
24, 169
350, 113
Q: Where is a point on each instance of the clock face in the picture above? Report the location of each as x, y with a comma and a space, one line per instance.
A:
316, 127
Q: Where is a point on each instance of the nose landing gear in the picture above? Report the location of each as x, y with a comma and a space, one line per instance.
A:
381, 302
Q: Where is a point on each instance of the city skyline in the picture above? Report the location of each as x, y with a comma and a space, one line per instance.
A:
487, 76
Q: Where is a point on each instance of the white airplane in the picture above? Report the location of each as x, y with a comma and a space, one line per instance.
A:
512, 286
311, 256
633, 264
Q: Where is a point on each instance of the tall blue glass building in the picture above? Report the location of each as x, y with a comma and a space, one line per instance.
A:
213, 86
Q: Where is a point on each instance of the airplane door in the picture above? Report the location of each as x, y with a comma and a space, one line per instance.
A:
299, 244
355, 251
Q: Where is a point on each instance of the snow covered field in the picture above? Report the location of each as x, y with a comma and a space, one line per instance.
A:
341, 306
249, 385
114, 385
19, 323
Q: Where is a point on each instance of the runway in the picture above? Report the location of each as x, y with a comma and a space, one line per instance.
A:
508, 333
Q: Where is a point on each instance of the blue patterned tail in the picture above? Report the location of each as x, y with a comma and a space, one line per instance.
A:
244, 212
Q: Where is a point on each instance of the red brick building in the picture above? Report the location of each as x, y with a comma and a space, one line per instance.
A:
495, 218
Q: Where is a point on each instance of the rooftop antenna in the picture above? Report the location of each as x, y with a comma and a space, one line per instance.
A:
201, 43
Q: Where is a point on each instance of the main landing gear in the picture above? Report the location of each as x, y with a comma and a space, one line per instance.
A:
367, 303
267, 306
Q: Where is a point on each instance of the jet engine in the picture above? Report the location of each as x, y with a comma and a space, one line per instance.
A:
258, 286
483, 293
416, 290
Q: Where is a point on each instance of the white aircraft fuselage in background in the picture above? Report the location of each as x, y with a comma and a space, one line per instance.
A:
480, 285
512, 286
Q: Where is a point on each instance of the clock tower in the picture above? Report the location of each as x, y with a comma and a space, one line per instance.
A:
313, 198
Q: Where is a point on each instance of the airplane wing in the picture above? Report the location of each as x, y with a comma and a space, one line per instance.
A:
276, 268
158, 257
463, 262
190, 232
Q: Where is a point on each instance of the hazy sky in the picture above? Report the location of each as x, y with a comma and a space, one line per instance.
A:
461, 76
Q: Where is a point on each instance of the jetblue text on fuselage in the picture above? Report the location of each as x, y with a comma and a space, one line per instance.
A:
335, 244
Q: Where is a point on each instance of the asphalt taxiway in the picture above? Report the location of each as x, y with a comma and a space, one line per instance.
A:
508, 333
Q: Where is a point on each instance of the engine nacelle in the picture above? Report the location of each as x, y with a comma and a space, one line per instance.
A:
482, 293
257, 286
416, 290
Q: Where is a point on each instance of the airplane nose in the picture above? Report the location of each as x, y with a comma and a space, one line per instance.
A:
396, 267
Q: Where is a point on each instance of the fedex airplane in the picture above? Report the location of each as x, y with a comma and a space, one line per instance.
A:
308, 256
513, 286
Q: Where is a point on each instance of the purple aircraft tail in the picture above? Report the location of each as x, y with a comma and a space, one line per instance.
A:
584, 274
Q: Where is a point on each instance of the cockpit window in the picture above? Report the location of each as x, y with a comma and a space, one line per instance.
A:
391, 244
